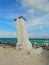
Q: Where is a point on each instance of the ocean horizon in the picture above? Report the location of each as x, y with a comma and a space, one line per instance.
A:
39, 41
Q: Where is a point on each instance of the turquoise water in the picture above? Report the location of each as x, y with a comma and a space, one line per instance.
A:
39, 41
8, 40
14, 40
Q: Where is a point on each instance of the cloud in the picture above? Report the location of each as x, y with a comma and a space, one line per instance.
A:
34, 23
31, 11
8, 34
39, 22
40, 4
14, 35
38, 35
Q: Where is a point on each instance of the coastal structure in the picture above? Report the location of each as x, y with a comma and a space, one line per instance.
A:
22, 37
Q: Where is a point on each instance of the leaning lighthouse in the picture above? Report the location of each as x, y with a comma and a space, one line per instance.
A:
22, 37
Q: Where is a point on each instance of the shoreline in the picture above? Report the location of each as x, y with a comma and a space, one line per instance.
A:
3, 44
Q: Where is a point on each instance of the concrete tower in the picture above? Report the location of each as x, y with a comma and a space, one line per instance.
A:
22, 36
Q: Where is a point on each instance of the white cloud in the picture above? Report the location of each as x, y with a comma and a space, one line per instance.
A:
38, 35
40, 4
41, 29
8, 34
41, 22
31, 11
30, 35
34, 23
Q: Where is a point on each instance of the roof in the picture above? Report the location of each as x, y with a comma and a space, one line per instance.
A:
22, 17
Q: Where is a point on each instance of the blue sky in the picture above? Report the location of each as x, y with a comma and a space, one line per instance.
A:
35, 11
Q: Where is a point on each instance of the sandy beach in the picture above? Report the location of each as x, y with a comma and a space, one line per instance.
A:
11, 56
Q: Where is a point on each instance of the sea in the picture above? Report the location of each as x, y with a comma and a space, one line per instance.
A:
32, 40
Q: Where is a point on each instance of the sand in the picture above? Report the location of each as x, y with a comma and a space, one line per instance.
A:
11, 56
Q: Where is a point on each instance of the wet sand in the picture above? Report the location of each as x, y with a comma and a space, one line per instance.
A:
11, 56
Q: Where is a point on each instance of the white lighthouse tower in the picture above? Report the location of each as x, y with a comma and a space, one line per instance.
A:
22, 36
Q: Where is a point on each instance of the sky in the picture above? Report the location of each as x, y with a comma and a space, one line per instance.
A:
35, 11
